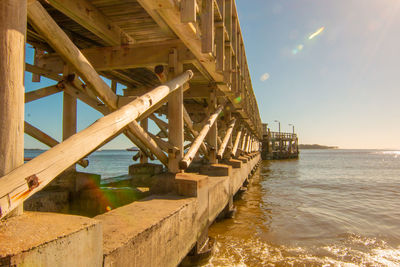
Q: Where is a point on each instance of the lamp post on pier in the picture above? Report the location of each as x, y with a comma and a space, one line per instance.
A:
279, 123
292, 127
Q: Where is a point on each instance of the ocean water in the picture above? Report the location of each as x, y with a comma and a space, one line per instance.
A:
107, 163
328, 208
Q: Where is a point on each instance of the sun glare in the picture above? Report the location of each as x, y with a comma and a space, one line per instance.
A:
319, 31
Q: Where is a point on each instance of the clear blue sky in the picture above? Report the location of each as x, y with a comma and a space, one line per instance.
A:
339, 88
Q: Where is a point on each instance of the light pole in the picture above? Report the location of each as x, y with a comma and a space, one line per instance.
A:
279, 136
292, 127
279, 123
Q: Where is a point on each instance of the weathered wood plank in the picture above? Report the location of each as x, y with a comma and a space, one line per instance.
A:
87, 15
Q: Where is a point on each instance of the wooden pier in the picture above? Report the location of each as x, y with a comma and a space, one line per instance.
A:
278, 145
183, 65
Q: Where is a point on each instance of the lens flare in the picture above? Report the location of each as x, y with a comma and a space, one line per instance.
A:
319, 31
237, 100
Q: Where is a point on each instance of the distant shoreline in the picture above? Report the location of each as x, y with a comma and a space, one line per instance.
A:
315, 146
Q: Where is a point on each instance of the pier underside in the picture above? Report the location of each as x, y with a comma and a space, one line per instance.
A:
181, 67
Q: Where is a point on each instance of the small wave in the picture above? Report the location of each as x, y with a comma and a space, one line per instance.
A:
354, 250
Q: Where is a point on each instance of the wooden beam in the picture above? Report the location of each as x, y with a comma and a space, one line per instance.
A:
87, 15
123, 57
24, 181
220, 47
42, 92
69, 122
236, 144
144, 124
189, 124
212, 137
167, 147
12, 61
53, 34
189, 156
226, 139
175, 115
207, 26
43, 72
188, 11
160, 123
47, 140
72, 89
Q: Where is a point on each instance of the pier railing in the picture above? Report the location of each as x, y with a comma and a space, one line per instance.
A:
190, 66
277, 135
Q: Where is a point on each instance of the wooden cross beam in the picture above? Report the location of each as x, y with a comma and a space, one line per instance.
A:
189, 156
147, 55
91, 18
226, 139
42, 92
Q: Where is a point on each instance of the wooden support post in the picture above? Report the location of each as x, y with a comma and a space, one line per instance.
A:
187, 159
188, 11
228, 17
246, 150
207, 26
237, 141
212, 137
12, 62
243, 143
114, 86
69, 112
226, 139
220, 44
38, 53
175, 115
144, 124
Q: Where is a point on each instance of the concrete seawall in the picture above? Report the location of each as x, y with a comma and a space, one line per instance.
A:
156, 231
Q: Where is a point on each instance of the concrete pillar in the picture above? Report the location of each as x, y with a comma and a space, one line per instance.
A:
175, 115
12, 62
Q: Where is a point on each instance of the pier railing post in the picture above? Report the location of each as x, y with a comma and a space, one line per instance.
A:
175, 115
12, 62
